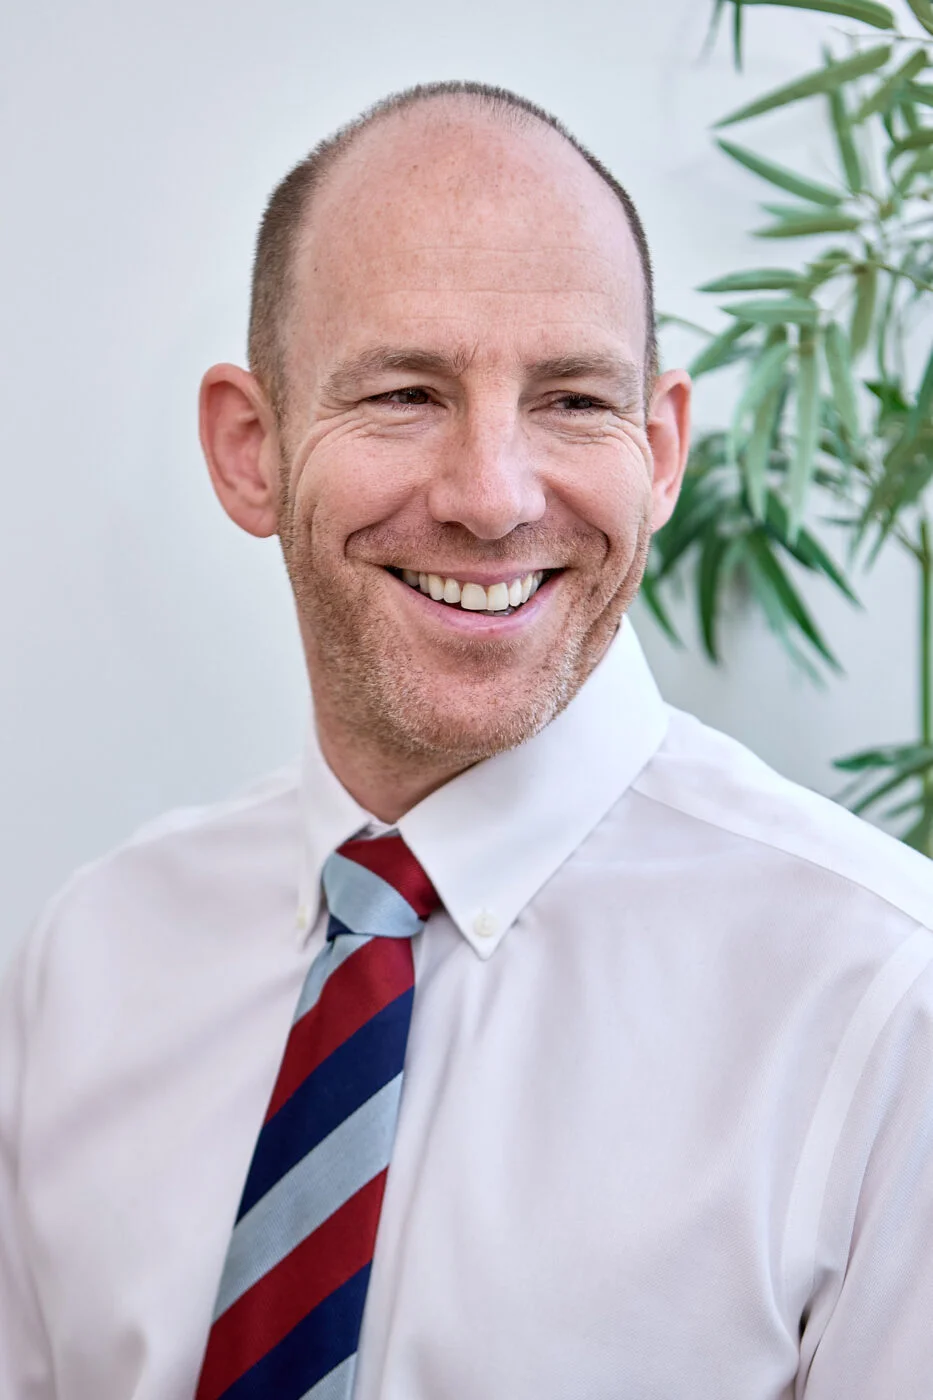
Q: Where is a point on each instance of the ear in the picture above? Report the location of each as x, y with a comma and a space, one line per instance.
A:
669, 436
240, 443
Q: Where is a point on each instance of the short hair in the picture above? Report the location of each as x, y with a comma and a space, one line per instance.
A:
286, 211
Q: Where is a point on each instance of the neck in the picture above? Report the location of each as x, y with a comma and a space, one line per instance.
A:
387, 785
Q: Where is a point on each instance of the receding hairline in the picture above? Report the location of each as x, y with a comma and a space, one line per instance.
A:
289, 207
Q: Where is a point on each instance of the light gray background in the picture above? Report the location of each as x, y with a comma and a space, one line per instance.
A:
149, 656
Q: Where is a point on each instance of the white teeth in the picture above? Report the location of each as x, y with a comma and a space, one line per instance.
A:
473, 597
498, 597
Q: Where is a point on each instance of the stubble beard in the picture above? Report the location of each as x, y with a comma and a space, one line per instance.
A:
382, 697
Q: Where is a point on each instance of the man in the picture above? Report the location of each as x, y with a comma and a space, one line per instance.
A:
666, 1126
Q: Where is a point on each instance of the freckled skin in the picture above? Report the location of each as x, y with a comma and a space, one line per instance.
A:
496, 247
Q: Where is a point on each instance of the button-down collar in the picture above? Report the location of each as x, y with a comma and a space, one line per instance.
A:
492, 836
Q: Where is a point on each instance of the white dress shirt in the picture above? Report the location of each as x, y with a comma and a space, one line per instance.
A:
667, 1121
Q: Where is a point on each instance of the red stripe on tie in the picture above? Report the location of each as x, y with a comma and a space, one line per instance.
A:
389, 858
357, 990
268, 1311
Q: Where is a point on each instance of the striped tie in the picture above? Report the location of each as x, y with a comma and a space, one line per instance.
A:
290, 1304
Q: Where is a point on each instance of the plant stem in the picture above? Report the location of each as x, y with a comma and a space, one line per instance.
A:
926, 656
899, 272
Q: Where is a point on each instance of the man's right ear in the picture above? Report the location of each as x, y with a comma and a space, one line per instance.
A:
241, 445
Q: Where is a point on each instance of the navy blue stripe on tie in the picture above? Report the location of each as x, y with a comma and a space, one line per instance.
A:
356, 1070
335, 928
323, 1339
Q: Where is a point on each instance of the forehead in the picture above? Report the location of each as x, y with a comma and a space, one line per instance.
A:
443, 220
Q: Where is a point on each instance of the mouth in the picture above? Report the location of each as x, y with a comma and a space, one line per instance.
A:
500, 598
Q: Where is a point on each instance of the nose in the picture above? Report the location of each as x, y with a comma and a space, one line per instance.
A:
486, 479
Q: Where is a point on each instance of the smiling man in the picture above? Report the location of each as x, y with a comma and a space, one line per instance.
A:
455, 428
534, 1040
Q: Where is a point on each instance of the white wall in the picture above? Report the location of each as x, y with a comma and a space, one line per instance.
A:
149, 656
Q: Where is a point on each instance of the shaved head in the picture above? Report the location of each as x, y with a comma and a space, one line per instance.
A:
274, 284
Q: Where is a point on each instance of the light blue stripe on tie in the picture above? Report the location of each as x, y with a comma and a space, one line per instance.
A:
327, 961
336, 1385
306, 1196
365, 902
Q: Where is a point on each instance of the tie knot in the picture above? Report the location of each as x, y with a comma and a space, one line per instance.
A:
375, 887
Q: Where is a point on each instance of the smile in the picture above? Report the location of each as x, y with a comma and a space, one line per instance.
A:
503, 597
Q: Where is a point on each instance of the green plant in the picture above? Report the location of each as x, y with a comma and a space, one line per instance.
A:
829, 424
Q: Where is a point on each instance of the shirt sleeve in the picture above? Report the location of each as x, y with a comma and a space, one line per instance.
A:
25, 1366
868, 1332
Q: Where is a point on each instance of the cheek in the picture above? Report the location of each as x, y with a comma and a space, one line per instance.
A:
346, 485
613, 495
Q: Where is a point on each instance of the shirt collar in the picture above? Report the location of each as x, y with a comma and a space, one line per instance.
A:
492, 836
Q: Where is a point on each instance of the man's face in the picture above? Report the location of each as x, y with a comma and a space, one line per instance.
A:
465, 413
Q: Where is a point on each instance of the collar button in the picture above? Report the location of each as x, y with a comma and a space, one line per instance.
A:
485, 924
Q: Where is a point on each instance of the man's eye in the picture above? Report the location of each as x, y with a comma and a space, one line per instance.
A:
403, 397
578, 403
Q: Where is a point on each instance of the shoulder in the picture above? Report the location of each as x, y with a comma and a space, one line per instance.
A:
803, 839
192, 874
248, 829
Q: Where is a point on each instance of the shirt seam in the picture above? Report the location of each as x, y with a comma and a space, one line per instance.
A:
793, 855
915, 968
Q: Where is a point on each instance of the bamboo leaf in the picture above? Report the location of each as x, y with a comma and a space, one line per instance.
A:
891, 756
920, 165
920, 836
804, 224
806, 548
708, 593
890, 396
820, 80
838, 362
902, 775
908, 470
762, 279
689, 523
883, 96
651, 594
758, 448
766, 375
908, 112
845, 142
713, 29
923, 10
781, 175
921, 92
737, 33
827, 265
914, 142
808, 424
865, 11
720, 351
786, 596
866, 285
920, 413
777, 311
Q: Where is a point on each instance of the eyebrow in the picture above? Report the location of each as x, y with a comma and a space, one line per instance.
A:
348, 375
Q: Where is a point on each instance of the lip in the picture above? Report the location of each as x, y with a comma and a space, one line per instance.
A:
487, 625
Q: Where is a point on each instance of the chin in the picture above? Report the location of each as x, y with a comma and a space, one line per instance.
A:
466, 728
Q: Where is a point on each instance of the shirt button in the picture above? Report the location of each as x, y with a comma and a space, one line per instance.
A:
302, 916
485, 925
